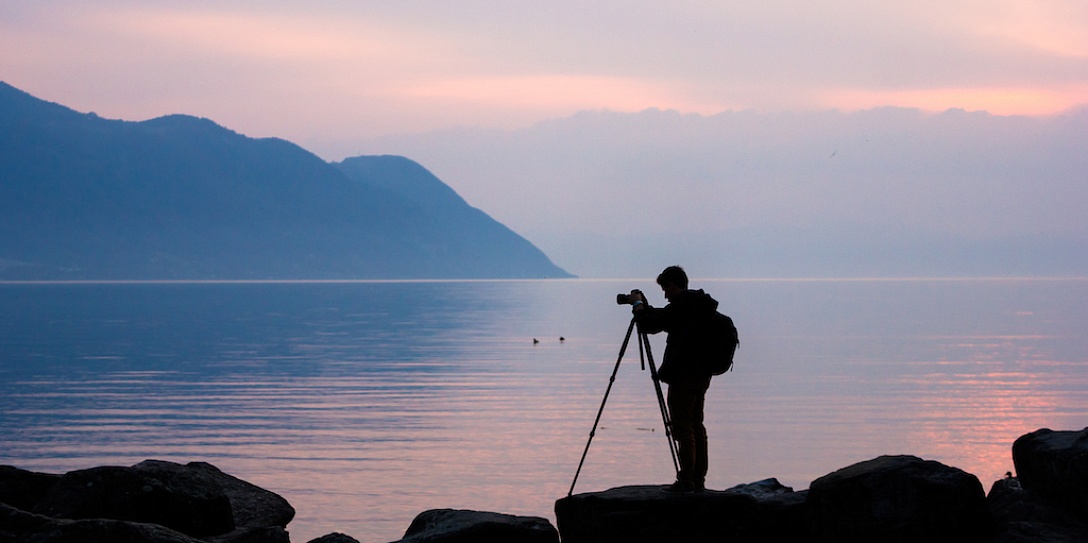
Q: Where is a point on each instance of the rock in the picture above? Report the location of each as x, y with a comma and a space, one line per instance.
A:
251, 505
186, 501
23, 527
1009, 502
780, 514
899, 499
461, 526
253, 534
1055, 466
335, 537
196, 499
887, 499
1024, 517
761, 511
1030, 532
23, 489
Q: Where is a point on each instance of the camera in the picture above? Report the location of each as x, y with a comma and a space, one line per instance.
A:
625, 299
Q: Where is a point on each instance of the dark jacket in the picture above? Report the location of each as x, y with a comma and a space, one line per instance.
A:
682, 318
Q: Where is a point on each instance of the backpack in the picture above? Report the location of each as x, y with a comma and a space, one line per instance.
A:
720, 341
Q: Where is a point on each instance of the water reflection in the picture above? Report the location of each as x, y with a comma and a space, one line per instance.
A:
365, 404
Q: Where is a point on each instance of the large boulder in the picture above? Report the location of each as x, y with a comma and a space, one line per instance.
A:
1054, 465
461, 526
186, 501
1031, 532
335, 537
761, 511
780, 513
23, 489
150, 501
252, 534
20, 526
250, 505
899, 499
1024, 517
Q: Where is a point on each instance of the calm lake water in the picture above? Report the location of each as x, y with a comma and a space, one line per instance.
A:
366, 403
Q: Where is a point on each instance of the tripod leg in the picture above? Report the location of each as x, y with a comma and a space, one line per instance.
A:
644, 346
604, 400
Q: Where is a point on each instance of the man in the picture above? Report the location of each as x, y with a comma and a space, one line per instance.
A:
682, 368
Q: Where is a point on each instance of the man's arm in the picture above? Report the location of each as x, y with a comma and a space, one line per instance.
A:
651, 320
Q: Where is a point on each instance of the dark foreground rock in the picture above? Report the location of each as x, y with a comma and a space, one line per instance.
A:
23, 527
889, 499
763, 511
23, 489
899, 499
153, 501
183, 501
1048, 500
461, 526
335, 537
886, 499
1025, 517
1054, 466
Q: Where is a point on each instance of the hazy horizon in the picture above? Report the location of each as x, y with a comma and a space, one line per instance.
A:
882, 192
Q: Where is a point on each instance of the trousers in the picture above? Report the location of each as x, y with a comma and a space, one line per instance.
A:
686, 399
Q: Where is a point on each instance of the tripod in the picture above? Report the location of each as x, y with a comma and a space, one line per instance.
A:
644, 355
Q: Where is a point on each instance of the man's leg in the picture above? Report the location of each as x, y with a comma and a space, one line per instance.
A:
686, 402
682, 405
699, 440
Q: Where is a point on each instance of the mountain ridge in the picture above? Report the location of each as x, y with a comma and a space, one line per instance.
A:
181, 197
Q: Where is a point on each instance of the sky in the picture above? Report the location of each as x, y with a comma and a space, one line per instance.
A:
455, 85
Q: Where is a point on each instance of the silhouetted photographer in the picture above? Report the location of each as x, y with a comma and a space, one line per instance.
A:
687, 366
700, 344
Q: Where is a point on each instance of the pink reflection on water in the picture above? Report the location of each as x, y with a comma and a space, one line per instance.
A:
974, 422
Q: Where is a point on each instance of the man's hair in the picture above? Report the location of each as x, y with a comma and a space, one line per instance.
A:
673, 275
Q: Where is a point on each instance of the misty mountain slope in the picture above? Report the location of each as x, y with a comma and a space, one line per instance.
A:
181, 197
443, 212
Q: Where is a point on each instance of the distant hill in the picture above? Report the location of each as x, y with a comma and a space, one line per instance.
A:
180, 197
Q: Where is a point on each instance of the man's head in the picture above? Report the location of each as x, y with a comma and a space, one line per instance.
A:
673, 280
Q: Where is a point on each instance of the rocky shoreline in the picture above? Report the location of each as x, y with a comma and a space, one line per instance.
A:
885, 499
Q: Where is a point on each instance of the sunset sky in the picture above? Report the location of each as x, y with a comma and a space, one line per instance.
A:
342, 78
325, 71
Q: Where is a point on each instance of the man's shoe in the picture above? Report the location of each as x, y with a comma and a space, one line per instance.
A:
680, 486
